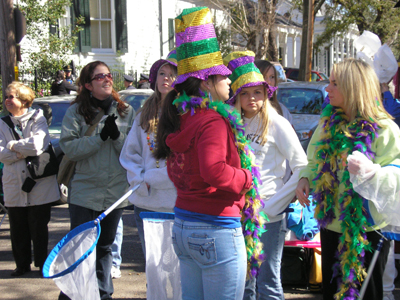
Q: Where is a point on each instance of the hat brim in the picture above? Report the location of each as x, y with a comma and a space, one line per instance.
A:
270, 90
154, 71
203, 74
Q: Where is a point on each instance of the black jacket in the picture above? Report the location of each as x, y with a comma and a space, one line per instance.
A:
62, 88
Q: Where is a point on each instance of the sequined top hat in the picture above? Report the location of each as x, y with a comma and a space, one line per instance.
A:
244, 73
170, 59
197, 49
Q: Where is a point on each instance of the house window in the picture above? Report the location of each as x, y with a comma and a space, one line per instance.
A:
171, 34
101, 24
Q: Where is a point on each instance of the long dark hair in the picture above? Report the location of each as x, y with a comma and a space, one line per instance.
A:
264, 66
86, 104
169, 120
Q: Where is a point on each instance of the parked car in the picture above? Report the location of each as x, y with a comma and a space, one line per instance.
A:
292, 73
304, 101
136, 97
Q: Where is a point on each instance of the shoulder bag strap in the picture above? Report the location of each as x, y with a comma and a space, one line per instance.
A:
9, 122
95, 122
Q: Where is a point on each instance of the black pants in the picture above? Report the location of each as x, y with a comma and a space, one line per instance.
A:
26, 224
329, 244
80, 215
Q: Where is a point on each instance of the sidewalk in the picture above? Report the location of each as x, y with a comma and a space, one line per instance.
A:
132, 284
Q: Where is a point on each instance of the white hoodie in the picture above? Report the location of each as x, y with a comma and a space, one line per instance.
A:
282, 144
137, 158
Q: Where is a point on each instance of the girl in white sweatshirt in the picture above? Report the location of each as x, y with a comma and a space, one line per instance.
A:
274, 141
156, 191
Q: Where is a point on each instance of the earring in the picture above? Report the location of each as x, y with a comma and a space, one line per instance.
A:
91, 95
209, 96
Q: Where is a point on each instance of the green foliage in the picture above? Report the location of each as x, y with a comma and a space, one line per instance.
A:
47, 51
377, 16
224, 39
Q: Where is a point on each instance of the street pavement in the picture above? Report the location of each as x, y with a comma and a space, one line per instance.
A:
132, 284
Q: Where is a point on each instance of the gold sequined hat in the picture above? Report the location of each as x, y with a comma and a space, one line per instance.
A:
198, 52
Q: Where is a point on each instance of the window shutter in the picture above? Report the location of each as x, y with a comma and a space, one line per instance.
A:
171, 34
121, 30
81, 8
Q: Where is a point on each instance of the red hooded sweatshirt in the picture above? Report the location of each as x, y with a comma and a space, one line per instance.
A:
205, 166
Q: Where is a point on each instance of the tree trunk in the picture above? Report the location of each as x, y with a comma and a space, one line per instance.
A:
272, 49
304, 42
7, 42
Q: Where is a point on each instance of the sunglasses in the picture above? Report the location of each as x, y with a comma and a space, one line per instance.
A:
10, 97
100, 77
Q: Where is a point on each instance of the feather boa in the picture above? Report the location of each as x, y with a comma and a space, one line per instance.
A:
340, 137
253, 218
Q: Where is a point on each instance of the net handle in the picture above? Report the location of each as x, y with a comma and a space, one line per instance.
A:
118, 202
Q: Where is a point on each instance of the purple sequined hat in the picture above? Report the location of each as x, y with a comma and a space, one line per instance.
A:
171, 59
198, 52
244, 73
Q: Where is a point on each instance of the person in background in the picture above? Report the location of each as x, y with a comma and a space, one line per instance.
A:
203, 162
351, 157
274, 142
144, 82
61, 86
392, 106
68, 74
156, 192
128, 80
270, 74
29, 212
99, 179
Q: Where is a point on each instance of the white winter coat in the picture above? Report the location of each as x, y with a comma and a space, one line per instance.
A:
34, 141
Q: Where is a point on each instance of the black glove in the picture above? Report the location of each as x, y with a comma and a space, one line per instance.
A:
105, 132
114, 131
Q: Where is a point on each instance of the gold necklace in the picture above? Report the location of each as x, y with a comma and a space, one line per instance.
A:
152, 144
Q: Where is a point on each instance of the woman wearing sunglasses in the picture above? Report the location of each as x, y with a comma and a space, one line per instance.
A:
99, 178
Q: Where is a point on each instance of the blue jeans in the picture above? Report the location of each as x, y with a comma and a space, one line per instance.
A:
109, 224
139, 225
268, 284
212, 259
116, 246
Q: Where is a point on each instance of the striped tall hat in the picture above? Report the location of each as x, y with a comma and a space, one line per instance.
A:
197, 48
244, 73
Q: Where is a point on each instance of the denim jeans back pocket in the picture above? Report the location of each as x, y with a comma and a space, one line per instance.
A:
175, 244
202, 249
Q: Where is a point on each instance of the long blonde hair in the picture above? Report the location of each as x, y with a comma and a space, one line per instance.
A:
263, 123
359, 85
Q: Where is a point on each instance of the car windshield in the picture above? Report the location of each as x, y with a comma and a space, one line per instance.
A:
301, 101
54, 115
135, 100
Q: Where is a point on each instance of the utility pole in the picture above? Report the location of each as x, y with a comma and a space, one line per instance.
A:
310, 39
307, 41
7, 42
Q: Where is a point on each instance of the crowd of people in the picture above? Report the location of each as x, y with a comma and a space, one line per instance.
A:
214, 146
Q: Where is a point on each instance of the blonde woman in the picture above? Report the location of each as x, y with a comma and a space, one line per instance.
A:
274, 141
29, 211
351, 159
156, 192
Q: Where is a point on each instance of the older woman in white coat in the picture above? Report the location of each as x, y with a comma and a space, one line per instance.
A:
29, 212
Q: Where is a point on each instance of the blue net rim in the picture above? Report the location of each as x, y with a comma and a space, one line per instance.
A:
53, 254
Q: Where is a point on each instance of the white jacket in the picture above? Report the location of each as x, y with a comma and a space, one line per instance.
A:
34, 141
282, 144
140, 165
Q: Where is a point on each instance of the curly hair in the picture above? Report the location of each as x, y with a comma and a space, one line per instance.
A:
24, 93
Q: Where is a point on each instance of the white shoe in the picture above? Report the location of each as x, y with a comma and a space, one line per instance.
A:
116, 272
388, 296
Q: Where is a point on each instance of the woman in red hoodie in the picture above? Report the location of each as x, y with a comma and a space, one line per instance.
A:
199, 138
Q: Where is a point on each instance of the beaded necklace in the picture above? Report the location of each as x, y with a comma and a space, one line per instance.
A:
338, 138
253, 218
153, 143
